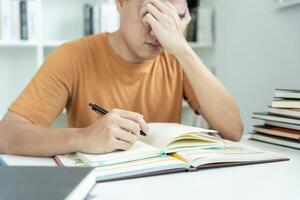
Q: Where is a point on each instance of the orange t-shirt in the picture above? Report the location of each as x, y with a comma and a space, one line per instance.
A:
89, 71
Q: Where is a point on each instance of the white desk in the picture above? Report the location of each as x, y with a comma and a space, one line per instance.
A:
272, 181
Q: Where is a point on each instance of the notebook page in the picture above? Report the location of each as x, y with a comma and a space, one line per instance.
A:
138, 151
12, 160
161, 134
231, 153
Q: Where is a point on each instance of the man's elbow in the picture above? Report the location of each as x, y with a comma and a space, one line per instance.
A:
236, 133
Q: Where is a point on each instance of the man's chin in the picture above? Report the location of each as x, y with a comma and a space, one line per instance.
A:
151, 55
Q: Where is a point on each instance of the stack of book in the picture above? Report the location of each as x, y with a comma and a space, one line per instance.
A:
17, 20
100, 18
282, 121
200, 29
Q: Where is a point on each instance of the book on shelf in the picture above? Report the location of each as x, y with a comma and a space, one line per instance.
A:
286, 103
191, 33
23, 20
275, 140
88, 19
99, 18
169, 148
205, 26
275, 118
278, 131
15, 14
287, 93
32, 20
17, 20
46, 183
286, 112
200, 29
6, 20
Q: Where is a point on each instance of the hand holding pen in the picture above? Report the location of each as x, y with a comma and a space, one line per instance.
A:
102, 111
116, 130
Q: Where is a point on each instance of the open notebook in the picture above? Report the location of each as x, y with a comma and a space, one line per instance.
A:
169, 148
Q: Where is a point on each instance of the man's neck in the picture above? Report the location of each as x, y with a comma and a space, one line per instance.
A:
121, 48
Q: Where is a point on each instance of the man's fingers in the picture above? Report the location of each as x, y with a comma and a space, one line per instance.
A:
122, 145
165, 6
125, 136
150, 8
158, 4
171, 7
149, 19
187, 18
134, 117
129, 125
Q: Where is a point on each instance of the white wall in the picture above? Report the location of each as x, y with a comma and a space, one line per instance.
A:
257, 50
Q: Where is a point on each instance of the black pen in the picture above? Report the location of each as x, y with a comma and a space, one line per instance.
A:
102, 111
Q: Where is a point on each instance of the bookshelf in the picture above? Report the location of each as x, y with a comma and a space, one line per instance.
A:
57, 22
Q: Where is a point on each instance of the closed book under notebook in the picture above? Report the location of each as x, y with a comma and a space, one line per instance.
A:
173, 148
28, 183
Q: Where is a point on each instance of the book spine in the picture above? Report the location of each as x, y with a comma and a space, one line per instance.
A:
109, 17
15, 11
115, 20
96, 20
192, 27
103, 20
86, 19
31, 20
23, 20
205, 26
91, 20
6, 20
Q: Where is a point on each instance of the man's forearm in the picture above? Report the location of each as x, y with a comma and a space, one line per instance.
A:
22, 138
217, 105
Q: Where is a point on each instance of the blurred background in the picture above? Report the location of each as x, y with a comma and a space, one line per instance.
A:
252, 46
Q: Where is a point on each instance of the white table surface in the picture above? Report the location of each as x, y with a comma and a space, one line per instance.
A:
280, 180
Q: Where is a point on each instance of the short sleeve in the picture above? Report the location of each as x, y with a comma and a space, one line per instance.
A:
189, 95
48, 92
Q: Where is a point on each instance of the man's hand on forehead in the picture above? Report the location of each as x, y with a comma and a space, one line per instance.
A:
166, 3
167, 24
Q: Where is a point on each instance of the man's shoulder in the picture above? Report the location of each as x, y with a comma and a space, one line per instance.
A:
83, 45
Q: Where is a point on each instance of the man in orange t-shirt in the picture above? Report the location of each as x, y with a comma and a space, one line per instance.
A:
139, 73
